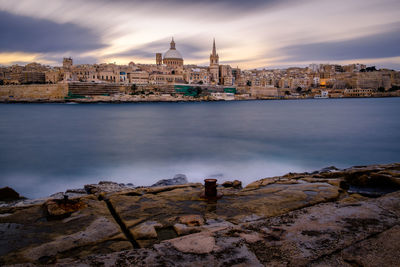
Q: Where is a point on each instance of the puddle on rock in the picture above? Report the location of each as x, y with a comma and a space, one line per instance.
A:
371, 191
166, 233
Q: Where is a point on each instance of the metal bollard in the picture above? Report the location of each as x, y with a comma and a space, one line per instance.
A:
210, 191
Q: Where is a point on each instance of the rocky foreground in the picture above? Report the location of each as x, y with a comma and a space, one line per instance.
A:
327, 218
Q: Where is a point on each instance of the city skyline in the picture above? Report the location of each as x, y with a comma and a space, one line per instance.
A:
255, 34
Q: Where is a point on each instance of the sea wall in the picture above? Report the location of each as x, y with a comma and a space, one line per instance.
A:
260, 92
33, 92
94, 89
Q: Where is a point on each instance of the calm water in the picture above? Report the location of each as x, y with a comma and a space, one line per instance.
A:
47, 148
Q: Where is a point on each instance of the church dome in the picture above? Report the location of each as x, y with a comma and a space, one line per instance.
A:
172, 53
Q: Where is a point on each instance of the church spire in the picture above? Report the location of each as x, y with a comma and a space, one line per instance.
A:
173, 44
214, 58
214, 51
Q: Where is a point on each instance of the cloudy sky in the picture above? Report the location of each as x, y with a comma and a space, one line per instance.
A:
249, 33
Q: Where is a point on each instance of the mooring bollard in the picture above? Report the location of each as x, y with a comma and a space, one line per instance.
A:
210, 190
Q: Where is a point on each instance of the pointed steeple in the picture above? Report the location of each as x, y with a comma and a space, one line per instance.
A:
214, 51
173, 44
214, 58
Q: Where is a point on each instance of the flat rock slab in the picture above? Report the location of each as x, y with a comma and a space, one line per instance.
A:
219, 251
380, 250
174, 204
276, 199
26, 234
361, 233
201, 243
301, 237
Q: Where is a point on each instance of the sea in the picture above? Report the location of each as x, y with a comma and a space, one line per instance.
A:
49, 148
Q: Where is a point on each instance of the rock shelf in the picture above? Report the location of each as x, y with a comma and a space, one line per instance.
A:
330, 217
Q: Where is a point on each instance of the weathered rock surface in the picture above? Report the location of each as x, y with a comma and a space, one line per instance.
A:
8, 194
235, 184
327, 234
328, 169
304, 236
380, 250
178, 179
183, 229
201, 243
97, 231
146, 230
28, 236
299, 219
192, 220
62, 208
106, 187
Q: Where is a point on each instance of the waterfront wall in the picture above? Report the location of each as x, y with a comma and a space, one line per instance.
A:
33, 92
94, 89
260, 92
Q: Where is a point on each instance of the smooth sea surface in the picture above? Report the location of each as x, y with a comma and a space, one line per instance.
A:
48, 148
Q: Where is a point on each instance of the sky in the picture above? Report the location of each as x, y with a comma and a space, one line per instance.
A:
249, 34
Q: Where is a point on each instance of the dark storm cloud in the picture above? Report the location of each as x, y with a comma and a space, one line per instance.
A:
379, 45
20, 33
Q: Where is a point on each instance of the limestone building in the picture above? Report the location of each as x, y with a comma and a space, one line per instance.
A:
67, 62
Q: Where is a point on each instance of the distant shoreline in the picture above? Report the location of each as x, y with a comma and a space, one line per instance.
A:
169, 101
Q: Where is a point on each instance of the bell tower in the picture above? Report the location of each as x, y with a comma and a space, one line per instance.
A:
158, 58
